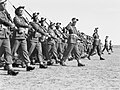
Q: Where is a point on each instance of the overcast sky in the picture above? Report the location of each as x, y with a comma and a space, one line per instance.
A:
104, 14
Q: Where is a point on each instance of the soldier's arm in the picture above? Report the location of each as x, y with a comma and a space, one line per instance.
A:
6, 23
20, 24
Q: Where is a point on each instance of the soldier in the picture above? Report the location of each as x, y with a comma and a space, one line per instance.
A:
110, 46
20, 36
34, 39
44, 39
59, 43
5, 47
72, 47
52, 50
96, 45
106, 45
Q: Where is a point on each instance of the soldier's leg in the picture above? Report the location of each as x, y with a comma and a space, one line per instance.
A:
103, 49
48, 54
48, 49
99, 52
30, 51
92, 51
77, 55
111, 49
26, 56
15, 52
40, 56
15, 47
107, 49
1, 47
2, 51
25, 52
8, 56
67, 52
44, 46
55, 53
60, 51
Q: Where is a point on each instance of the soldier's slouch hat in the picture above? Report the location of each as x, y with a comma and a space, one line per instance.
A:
17, 9
74, 19
35, 15
42, 19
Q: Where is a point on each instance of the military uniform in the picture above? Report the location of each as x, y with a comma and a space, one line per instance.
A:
59, 43
106, 45
110, 46
72, 47
34, 41
20, 37
51, 45
5, 47
96, 45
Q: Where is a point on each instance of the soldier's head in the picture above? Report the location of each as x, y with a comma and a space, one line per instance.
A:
42, 21
35, 17
19, 10
2, 4
58, 25
52, 25
106, 37
74, 21
96, 30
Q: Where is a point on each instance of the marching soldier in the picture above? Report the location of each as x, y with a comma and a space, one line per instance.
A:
34, 39
44, 39
59, 43
52, 50
72, 47
5, 47
106, 46
110, 46
96, 45
20, 36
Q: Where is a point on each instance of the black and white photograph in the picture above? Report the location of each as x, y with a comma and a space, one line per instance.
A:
59, 44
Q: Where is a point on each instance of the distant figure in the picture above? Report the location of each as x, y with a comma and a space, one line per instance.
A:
106, 46
110, 46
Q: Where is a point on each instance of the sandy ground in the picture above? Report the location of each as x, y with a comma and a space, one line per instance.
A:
96, 75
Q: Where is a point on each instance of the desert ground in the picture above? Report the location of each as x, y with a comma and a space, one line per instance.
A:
96, 75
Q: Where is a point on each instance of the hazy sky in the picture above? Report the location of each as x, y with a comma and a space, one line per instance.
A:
104, 14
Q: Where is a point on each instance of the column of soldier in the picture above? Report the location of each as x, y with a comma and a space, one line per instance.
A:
27, 43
